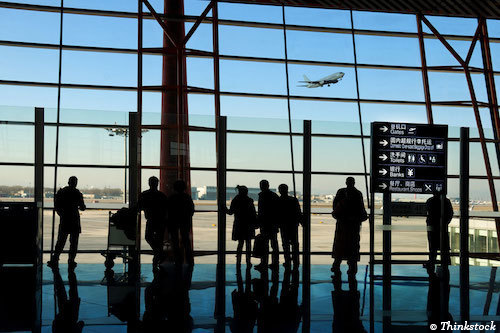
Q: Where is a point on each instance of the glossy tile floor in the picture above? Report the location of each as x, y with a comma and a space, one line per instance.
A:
252, 302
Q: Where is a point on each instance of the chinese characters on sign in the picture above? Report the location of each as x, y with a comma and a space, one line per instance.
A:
409, 158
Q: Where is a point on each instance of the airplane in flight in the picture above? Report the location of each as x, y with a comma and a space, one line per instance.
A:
330, 79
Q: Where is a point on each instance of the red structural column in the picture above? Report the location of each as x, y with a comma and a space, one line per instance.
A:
174, 154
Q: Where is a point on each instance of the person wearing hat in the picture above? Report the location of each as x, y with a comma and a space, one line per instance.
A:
245, 218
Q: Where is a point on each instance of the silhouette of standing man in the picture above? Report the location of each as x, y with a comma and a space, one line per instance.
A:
180, 221
67, 201
349, 210
289, 216
154, 204
267, 220
244, 223
433, 221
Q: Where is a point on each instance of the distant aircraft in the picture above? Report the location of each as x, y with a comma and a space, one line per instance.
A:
330, 79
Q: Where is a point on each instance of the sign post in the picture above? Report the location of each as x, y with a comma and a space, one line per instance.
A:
405, 158
409, 158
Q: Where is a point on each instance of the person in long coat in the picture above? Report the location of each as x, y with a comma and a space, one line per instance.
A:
245, 219
289, 217
349, 211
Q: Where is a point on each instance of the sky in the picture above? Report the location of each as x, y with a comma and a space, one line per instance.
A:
94, 146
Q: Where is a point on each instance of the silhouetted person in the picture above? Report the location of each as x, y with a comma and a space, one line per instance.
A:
66, 319
244, 304
346, 312
67, 202
268, 223
180, 222
154, 204
245, 219
349, 211
289, 216
433, 221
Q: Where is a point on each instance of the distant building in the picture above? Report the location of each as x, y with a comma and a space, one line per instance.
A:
194, 193
210, 192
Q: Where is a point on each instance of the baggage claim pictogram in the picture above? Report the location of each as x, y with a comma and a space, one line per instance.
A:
408, 158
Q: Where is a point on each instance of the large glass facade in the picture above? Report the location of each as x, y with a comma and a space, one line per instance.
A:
378, 52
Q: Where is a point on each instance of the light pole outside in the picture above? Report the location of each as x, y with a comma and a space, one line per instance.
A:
122, 131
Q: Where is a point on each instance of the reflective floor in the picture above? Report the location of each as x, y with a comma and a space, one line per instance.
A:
255, 302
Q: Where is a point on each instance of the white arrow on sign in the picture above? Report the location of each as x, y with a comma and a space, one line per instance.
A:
383, 186
383, 172
412, 129
383, 128
383, 157
384, 143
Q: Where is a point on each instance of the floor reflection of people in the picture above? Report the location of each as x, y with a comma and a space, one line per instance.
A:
434, 299
267, 298
346, 311
66, 318
167, 300
244, 304
290, 312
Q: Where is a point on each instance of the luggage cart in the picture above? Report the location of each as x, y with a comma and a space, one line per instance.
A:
120, 241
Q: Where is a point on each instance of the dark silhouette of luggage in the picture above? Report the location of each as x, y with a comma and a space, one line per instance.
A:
125, 219
259, 246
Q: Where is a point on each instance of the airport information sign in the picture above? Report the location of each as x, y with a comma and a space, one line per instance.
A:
408, 158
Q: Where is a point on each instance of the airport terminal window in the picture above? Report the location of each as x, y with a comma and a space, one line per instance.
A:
334, 111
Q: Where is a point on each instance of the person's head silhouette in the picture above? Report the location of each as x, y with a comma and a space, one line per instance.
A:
72, 181
180, 186
350, 182
153, 183
242, 190
264, 185
283, 189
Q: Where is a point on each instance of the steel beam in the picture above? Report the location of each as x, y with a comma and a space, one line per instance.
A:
306, 228
464, 225
288, 101
425, 77
220, 289
198, 22
160, 22
39, 186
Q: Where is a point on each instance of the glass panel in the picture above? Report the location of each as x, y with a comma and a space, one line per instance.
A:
385, 21
319, 46
336, 154
384, 50
29, 97
100, 31
99, 68
343, 81
257, 42
390, 84
234, 74
24, 25
17, 143
29, 64
318, 17
249, 12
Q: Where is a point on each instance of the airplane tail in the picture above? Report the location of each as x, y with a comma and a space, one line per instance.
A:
305, 77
